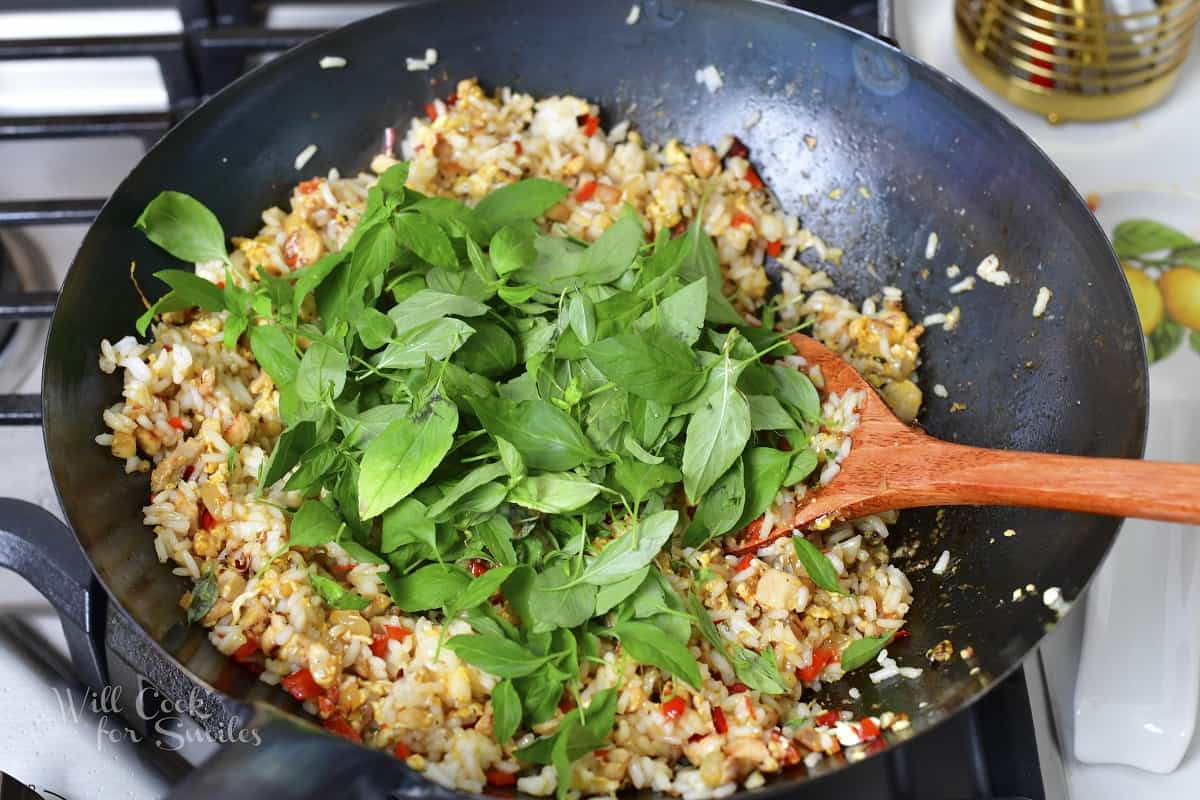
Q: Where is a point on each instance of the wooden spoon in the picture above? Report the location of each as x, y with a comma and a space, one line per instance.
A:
893, 466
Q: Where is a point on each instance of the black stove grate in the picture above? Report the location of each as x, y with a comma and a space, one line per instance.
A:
988, 751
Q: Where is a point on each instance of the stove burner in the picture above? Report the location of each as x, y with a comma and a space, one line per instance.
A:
25, 277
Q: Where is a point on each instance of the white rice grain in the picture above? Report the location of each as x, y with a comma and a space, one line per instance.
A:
942, 563
940, 390
421, 64
931, 245
1043, 299
304, 156
965, 285
332, 62
710, 77
989, 270
635, 13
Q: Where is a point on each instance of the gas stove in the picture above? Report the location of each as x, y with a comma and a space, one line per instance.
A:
83, 91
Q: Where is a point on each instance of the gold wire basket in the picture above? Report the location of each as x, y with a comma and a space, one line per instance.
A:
1086, 60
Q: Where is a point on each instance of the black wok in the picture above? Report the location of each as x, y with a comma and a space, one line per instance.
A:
933, 159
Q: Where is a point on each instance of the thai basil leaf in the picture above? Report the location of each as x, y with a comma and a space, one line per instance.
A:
336, 596
406, 522
404, 455
645, 644
650, 364
315, 524
495, 656
204, 596
716, 435
506, 711
863, 651
553, 493
517, 202
431, 586
817, 565
719, 509
546, 436
184, 227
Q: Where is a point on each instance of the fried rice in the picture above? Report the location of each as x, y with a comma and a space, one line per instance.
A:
202, 419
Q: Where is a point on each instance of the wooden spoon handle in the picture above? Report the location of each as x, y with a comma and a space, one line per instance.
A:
954, 474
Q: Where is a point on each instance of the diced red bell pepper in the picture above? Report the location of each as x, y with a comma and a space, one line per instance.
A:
821, 657
379, 641
431, 111
340, 727
774, 248
590, 125
828, 718
301, 685
401, 750
497, 777
673, 709
247, 650
741, 218
176, 423
719, 722
585, 192
868, 728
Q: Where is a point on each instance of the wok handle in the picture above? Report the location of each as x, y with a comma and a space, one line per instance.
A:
953, 474
273, 757
20, 409
45, 552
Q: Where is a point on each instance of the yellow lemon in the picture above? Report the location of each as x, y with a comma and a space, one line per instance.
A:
1146, 297
1181, 291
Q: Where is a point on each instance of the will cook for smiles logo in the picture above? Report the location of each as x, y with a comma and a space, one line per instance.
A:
166, 723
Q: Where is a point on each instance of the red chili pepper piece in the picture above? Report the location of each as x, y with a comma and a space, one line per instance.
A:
431, 111
775, 248
755, 528
246, 651
745, 562
452, 100
673, 709
821, 657
477, 566
176, 423
340, 727
753, 179
590, 125
309, 186
496, 777
401, 750
901, 634
719, 722
737, 149
741, 218
301, 685
207, 520
188, 471
870, 728
517, 148
585, 192
738, 688
828, 718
